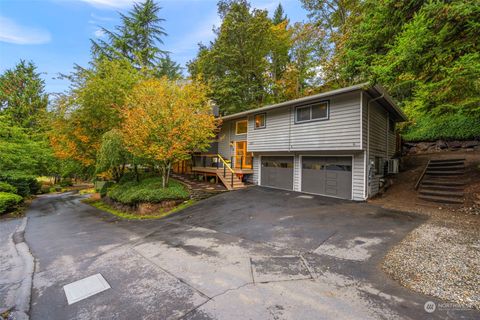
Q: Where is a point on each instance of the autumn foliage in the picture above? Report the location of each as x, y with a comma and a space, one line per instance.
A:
164, 122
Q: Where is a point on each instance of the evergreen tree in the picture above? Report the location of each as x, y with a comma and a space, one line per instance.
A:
22, 96
137, 39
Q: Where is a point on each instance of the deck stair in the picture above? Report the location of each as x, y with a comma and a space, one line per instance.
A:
216, 165
227, 177
443, 181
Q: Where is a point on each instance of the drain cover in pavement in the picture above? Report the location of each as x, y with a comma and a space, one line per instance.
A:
266, 269
85, 288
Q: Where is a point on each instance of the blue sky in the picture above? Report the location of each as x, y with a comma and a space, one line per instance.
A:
55, 33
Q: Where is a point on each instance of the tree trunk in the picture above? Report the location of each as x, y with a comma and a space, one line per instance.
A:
135, 168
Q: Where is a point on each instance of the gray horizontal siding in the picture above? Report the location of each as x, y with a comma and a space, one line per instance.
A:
340, 132
226, 136
378, 141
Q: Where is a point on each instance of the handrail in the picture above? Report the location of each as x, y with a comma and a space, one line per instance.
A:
225, 164
421, 176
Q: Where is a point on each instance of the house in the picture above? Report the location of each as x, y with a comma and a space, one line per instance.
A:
335, 144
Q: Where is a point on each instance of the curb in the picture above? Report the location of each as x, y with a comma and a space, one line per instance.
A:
22, 298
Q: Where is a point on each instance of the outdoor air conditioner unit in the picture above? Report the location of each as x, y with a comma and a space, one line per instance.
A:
392, 166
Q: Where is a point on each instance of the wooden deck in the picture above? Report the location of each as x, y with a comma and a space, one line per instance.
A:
230, 181
214, 170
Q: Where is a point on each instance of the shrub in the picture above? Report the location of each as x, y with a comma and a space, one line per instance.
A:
6, 187
147, 190
104, 188
66, 183
449, 127
8, 201
25, 184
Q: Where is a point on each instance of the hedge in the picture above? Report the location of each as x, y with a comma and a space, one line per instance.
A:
25, 184
6, 187
8, 201
147, 190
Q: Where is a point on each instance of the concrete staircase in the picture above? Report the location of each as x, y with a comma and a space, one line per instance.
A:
443, 181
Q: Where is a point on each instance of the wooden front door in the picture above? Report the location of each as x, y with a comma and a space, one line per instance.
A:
243, 159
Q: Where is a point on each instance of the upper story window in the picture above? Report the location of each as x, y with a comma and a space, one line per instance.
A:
241, 127
312, 112
260, 120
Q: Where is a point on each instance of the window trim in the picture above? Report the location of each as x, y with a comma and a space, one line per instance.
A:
236, 127
310, 104
264, 114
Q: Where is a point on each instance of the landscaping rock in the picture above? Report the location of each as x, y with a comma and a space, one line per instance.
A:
470, 144
454, 144
441, 144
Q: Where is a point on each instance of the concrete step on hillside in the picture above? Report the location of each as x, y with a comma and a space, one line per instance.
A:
442, 182
441, 193
441, 199
441, 187
447, 160
444, 172
446, 163
447, 167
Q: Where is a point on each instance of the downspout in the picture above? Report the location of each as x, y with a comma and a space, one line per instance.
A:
368, 144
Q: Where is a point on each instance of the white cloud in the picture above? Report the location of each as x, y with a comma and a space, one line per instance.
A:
12, 32
110, 3
99, 33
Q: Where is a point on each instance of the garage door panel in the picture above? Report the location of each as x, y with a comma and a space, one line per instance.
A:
277, 172
327, 175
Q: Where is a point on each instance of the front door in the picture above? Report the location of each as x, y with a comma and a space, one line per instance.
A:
243, 159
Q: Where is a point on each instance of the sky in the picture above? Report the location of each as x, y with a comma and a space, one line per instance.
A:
55, 34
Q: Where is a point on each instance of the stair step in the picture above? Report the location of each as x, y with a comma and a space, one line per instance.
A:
446, 193
446, 163
442, 182
440, 199
445, 173
447, 160
446, 168
441, 187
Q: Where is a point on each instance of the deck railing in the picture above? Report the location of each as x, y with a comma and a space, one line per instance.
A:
216, 162
242, 162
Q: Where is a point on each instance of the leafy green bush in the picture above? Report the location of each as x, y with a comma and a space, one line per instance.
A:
8, 201
25, 184
6, 187
147, 190
104, 188
448, 127
66, 183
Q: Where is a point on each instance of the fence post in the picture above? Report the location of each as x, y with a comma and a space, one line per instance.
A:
204, 161
231, 183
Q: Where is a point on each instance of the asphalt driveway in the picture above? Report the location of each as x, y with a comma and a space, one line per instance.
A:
252, 254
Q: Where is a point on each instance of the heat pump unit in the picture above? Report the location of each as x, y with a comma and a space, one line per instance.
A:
392, 166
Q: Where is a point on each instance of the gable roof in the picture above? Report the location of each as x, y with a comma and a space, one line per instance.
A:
375, 92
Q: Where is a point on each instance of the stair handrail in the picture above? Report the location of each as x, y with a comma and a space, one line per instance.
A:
225, 164
421, 176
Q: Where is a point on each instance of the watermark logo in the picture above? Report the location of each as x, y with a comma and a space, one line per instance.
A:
429, 306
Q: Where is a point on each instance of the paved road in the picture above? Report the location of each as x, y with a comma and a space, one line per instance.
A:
250, 254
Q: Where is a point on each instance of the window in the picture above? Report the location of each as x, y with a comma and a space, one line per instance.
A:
241, 127
260, 121
316, 111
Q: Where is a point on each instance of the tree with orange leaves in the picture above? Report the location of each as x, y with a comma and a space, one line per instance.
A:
164, 122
